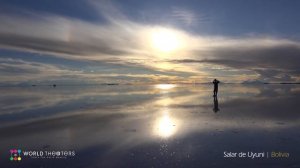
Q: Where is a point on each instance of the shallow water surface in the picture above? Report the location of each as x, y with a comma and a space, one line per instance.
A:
151, 125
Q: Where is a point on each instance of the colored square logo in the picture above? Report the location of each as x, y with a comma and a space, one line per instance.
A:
15, 155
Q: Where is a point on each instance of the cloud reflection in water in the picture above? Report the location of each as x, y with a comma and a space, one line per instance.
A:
127, 118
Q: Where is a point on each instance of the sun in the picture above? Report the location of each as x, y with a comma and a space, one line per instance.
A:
165, 40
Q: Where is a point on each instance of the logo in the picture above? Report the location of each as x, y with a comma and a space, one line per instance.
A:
18, 154
15, 155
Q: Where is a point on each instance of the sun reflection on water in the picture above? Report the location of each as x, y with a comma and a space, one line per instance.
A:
165, 86
166, 126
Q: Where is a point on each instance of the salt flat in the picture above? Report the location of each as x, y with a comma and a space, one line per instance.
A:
163, 125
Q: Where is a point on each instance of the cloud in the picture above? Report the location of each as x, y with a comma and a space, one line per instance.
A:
15, 71
18, 70
56, 46
186, 16
273, 59
118, 40
54, 34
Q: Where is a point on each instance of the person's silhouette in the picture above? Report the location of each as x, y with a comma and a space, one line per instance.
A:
216, 82
216, 104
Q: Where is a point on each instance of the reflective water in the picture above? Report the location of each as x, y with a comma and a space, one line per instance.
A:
151, 125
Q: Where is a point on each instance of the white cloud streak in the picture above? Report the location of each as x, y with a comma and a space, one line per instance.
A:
122, 41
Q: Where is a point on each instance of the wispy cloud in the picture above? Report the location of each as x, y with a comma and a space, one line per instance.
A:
14, 71
186, 16
119, 40
271, 58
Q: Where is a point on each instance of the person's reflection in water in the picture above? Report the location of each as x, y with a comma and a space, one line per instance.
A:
216, 104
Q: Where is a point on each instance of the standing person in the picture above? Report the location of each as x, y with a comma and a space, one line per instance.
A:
216, 82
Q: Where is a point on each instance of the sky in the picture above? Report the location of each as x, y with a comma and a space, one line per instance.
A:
157, 41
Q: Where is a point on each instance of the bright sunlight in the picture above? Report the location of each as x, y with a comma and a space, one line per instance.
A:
164, 40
